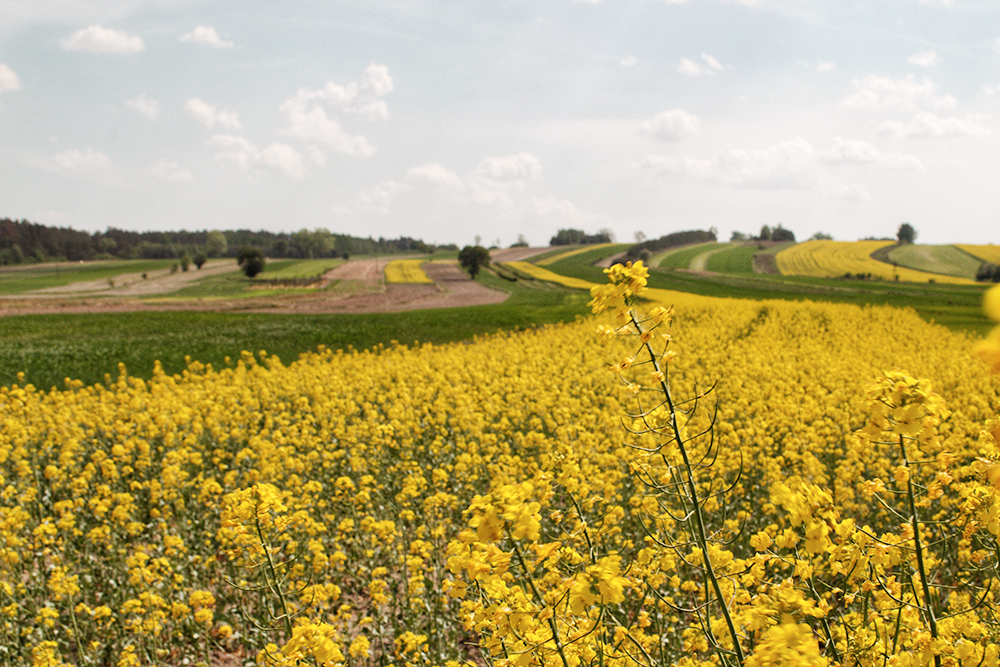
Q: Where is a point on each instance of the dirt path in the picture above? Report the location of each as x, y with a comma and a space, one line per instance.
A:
361, 288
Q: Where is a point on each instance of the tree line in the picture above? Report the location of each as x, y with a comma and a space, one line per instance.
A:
22, 242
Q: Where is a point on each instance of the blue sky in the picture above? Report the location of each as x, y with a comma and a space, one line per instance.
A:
451, 120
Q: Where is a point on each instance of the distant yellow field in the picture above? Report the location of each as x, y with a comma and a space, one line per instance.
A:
406, 271
833, 259
987, 253
571, 253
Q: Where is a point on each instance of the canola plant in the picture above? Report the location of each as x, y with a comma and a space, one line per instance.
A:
717, 483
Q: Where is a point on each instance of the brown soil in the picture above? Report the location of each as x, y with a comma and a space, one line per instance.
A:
361, 288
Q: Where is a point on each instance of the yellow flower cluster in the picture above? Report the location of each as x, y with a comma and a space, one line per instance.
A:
382, 507
406, 271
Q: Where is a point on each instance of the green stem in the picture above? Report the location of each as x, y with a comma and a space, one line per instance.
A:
541, 601
928, 606
701, 534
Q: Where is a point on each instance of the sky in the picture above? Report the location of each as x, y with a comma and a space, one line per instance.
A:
501, 120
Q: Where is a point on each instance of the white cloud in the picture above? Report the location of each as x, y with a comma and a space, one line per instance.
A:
825, 66
986, 89
788, 164
876, 93
306, 115
308, 121
512, 168
207, 115
689, 67
8, 79
672, 125
851, 192
379, 199
286, 158
243, 153
170, 171
924, 59
99, 39
434, 174
850, 151
629, 61
148, 108
206, 35
235, 149
87, 160
928, 124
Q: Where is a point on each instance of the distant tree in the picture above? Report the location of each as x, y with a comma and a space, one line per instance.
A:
578, 236
640, 236
185, 262
737, 236
820, 236
521, 242
199, 259
988, 273
251, 259
473, 258
779, 233
906, 233
215, 244
765, 234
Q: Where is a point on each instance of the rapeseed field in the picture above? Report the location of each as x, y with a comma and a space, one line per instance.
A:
713, 482
836, 259
406, 271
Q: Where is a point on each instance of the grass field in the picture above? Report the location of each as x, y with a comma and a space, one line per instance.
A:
49, 348
736, 258
943, 259
21, 279
680, 258
298, 268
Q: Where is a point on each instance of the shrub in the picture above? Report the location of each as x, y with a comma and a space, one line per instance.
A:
251, 259
200, 259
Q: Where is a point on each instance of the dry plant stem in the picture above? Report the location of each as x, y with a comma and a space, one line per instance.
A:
701, 535
928, 607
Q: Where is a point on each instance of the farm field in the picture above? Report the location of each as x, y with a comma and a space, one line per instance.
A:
987, 253
680, 258
393, 491
406, 272
834, 259
943, 259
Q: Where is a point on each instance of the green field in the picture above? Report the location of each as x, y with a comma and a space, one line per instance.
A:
284, 269
680, 258
737, 258
944, 259
21, 279
48, 348
51, 347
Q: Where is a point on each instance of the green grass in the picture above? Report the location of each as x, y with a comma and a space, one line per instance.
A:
585, 259
736, 259
17, 280
49, 348
680, 258
297, 268
944, 259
